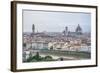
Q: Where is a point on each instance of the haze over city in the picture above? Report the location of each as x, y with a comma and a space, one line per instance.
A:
55, 21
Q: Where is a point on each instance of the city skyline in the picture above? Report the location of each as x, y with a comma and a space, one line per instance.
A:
55, 21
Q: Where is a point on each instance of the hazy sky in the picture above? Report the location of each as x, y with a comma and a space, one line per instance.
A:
55, 21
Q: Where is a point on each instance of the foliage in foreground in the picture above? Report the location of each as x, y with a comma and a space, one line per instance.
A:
37, 58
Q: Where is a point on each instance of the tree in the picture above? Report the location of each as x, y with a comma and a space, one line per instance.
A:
24, 57
30, 55
37, 56
24, 44
51, 48
61, 59
48, 58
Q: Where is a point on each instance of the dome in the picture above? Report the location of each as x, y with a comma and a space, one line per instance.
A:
78, 29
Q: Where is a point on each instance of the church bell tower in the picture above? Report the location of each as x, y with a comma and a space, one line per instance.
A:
33, 28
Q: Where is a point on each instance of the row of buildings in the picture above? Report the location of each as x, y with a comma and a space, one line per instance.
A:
69, 41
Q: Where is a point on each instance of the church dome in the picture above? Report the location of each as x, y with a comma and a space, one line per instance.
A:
78, 28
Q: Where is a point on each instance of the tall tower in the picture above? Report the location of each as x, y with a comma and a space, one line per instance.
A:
33, 28
66, 30
78, 30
